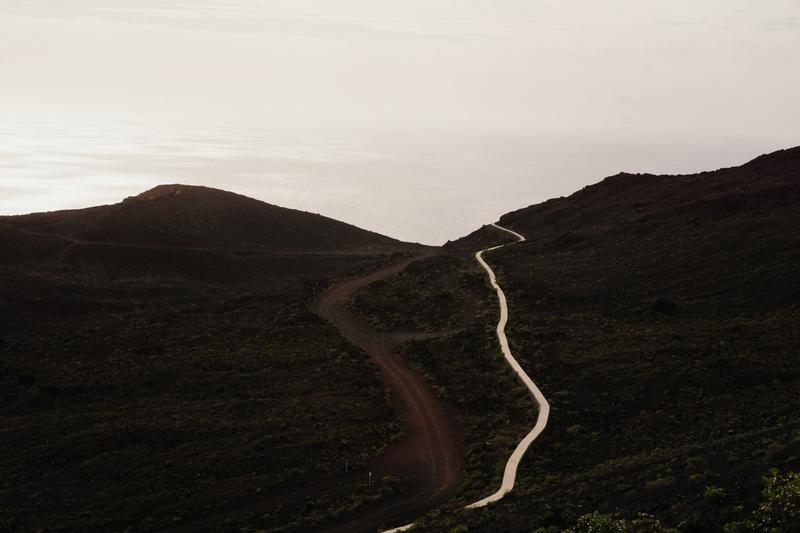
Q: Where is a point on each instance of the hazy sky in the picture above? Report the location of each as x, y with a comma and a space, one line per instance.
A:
420, 119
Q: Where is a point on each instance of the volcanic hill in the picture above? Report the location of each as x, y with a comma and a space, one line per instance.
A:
184, 215
161, 366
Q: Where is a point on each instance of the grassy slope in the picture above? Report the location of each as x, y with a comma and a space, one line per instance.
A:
659, 316
149, 387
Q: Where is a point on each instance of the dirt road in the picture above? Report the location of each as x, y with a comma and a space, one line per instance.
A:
431, 452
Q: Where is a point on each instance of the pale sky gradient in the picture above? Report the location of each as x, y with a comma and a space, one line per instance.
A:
418, 119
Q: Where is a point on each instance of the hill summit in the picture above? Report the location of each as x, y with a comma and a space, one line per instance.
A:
188, 215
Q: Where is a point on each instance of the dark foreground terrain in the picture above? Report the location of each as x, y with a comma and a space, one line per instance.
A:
661, 317
160, 368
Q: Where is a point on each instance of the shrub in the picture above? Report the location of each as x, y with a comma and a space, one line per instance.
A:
597, 522
779, 510
714, 493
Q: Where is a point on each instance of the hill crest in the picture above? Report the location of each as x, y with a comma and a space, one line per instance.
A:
766, 182
191, 215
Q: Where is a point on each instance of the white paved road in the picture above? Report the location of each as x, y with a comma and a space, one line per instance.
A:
510, 473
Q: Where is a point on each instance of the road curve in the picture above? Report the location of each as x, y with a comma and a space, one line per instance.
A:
430, 454
510, 473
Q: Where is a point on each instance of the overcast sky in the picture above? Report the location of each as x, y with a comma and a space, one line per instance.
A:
411, 97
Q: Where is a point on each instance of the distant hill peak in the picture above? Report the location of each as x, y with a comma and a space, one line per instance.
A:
160, 192
191, 215
621, 181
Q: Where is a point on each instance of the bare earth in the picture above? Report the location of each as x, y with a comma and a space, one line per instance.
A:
431, 453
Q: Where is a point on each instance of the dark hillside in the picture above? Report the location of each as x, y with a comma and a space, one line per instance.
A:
183, 215
660, 315
160, 367
768, 182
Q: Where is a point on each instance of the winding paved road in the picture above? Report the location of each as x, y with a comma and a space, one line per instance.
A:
510, 473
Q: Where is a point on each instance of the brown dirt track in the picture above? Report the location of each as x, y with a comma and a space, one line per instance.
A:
430, 454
